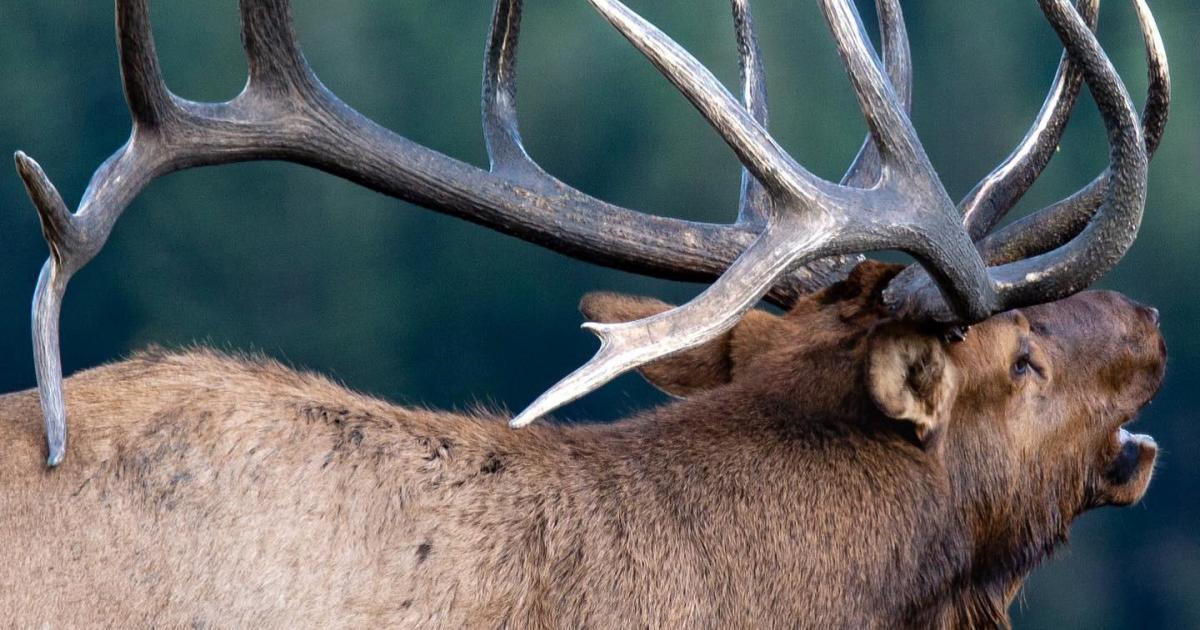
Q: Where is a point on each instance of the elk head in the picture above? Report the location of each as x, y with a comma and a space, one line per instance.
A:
1023, 420
795, 232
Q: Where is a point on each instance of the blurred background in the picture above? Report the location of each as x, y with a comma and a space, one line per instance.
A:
419, 308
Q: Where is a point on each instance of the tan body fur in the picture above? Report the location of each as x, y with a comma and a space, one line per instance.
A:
208, 491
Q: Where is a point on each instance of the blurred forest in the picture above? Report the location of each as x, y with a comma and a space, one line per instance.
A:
420, 308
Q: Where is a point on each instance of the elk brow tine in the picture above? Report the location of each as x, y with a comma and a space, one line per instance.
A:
788, 240
756, 149
864, 171
996, 194
1056, 224
754, 204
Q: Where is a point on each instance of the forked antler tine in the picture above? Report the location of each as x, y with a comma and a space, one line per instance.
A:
787, 241
1076, 264
995, 195
754, 204
1056, 224
74, 239
756, 149
864, 171
57, 230
501, 132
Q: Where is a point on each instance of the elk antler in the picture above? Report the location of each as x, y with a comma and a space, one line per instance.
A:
794, 233
1046, 255
1056, 224
905, 209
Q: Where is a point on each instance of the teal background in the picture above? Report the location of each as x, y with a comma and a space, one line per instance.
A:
407, 304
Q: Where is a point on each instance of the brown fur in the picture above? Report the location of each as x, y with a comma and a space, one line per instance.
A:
205, 490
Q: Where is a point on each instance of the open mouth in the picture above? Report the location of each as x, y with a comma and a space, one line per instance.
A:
1133, 451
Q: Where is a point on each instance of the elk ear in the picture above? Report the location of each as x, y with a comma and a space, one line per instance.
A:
696, 370
911, 378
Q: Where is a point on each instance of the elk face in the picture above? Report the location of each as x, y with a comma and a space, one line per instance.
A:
1051, 387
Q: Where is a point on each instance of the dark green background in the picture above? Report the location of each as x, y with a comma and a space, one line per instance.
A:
420, 308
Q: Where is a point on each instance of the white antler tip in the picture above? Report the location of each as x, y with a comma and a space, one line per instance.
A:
599, 329
523, 419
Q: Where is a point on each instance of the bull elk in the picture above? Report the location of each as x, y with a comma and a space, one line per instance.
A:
860, 461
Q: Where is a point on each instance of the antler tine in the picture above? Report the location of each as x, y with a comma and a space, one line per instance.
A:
889, 127
1091, 253
996, 194
273, 57
1158, 94
501, 132
754, 204
1056, 224
60, 236
756, 149
897, 56
864, 171
145, 91
627, 345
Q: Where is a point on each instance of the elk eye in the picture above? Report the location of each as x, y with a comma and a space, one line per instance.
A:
1022, 365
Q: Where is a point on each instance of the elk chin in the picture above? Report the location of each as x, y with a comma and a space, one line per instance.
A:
1128, 473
